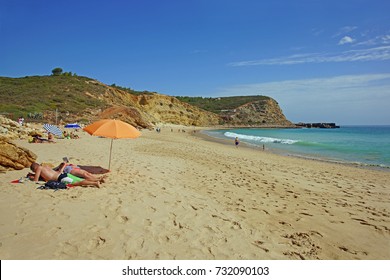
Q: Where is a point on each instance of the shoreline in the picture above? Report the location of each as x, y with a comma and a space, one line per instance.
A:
288, 154
175, 196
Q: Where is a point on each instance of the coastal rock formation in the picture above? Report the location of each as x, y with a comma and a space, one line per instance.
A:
168, 109
68, 99
318, 125
13, 130
130, 115
13, 156
147, 110
258, 113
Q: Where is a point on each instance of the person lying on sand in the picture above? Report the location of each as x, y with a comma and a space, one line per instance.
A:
66, 167
49, 174
50, 137
83, 171
37, 139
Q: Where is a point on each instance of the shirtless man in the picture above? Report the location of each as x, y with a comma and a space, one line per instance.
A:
49, 174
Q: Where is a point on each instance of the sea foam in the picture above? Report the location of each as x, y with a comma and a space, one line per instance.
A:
260, 139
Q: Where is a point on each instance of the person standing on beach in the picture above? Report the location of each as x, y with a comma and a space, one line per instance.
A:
236, 142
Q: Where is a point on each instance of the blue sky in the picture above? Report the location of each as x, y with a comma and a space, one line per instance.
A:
321, 60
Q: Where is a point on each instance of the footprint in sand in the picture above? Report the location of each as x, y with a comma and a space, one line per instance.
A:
353, 252
68, 249
122, 219
303, 246
148, 222
259, 244
96, 242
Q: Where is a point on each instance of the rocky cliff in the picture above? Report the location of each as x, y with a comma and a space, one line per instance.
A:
64, 99
149, 109
258, 113
168, 109
146, 110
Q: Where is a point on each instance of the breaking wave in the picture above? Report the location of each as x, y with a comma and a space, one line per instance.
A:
260, 139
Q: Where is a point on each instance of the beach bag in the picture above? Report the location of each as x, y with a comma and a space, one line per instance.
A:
53, 185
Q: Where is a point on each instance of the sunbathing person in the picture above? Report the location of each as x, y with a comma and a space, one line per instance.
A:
74, 136
75, 170
37, 139
49, 174
50, 137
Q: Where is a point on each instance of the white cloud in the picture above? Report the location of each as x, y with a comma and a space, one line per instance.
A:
371, 54
385, 39
344, 30
308, 86
369, 42
346, 40
378, 40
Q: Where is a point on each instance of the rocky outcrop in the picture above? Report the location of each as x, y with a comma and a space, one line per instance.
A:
84, 100
168, 109
13, 156
147, 110
130, 115
13, 130
318, 125
265, 113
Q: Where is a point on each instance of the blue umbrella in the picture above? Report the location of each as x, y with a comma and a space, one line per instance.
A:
53, 129
72, 125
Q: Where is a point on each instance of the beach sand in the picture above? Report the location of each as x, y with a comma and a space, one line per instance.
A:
175, 195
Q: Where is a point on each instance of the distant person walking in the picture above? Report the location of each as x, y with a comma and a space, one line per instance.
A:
236, 142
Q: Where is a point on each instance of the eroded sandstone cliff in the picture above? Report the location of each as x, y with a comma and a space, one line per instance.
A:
258, 113
65, 99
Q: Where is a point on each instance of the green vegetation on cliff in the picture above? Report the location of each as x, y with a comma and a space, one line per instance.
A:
131, 91
66, 92
220, 104
40, 93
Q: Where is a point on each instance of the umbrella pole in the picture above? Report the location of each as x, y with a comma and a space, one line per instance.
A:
109, 162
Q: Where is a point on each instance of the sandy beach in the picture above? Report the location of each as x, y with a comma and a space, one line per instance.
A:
175, 195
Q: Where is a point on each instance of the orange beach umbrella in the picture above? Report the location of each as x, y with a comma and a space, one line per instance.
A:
113, 129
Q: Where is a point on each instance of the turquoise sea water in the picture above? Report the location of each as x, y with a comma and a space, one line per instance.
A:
363, 145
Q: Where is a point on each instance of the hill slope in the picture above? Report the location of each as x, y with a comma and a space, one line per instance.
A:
81, 99
84, 99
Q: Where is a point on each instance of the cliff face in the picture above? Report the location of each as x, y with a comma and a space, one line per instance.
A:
149, 109
167, 109
66, 99
258, 113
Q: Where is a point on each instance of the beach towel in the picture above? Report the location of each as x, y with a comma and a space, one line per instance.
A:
94, 169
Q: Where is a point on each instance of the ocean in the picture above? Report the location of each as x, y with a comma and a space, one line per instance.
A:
361, 145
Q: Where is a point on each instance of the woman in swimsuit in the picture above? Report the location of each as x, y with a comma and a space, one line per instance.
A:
77, 171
